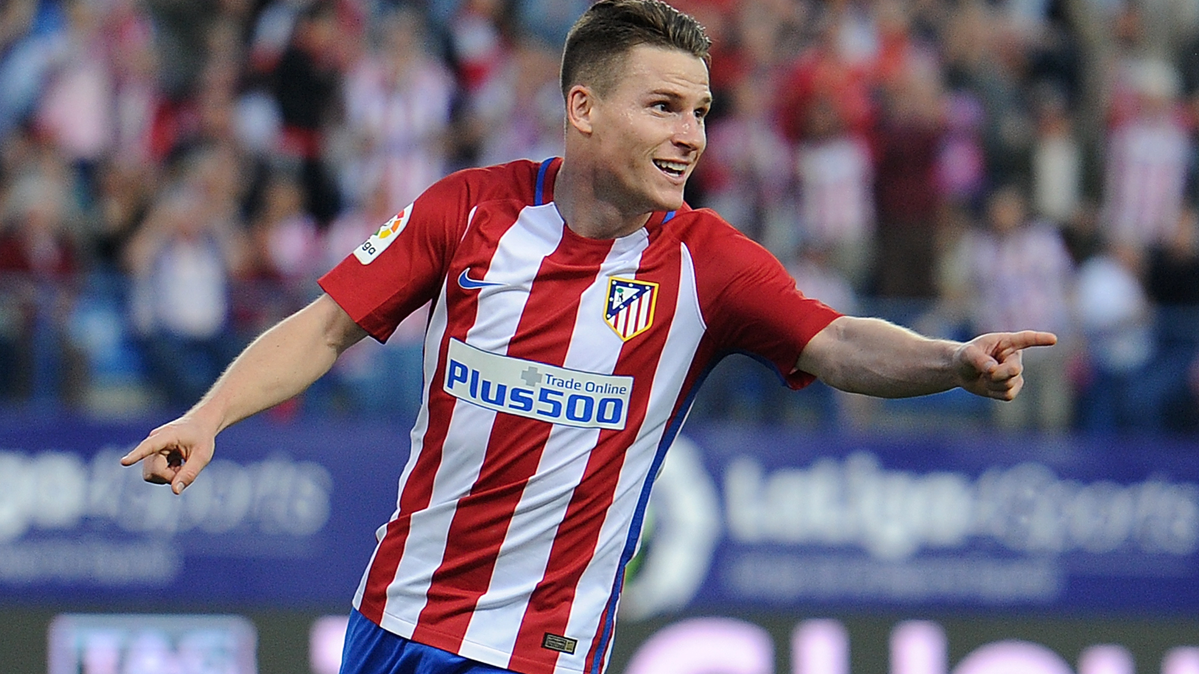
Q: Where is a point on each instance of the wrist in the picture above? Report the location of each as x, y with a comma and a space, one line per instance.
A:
209, 415
959, 375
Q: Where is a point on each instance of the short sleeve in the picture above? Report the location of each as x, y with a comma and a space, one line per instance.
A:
401, 267
757, 309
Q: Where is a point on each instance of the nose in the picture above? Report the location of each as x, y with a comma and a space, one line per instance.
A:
690, 133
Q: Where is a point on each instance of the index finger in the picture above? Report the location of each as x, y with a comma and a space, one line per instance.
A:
1030, 338
153, 444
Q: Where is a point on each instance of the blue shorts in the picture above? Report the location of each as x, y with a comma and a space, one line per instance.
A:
370, 649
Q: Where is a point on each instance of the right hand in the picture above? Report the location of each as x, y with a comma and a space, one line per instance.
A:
174, 453
991, 365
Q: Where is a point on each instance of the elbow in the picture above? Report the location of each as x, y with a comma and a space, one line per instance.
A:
337, 330
825, 357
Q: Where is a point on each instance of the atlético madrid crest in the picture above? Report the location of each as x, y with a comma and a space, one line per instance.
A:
630, 308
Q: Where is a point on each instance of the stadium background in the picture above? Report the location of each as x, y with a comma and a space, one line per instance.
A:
175, 174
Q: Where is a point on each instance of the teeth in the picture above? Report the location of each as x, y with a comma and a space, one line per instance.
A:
672, 166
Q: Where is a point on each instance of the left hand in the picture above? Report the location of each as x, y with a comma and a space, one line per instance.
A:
175, 453
991, 365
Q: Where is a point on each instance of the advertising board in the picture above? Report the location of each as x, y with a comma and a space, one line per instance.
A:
742, 519
759, 520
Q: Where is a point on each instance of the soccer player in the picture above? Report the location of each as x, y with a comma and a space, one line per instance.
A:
576, 305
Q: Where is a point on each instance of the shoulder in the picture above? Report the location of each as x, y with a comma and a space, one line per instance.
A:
472, 186
711, 239
725, 262
698, 225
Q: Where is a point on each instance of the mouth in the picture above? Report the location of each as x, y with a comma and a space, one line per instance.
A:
674, 169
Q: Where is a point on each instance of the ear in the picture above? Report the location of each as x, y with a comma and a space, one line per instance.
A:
580, 106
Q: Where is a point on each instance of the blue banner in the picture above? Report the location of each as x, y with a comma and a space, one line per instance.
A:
741, 518
759, 520
284, 515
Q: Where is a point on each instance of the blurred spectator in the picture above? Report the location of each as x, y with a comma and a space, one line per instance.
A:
1056, 160
77, 108
836, 199
285, 239
206, 113
907, 200
306, 81
1053, 54
897, 48
1115, 317
745, 174
182, 260
824, 75
123, 193
1123, 74
767, 36
230, 129
980, 57
39, 262
219, 82
272, 32
550, 20
476, 39
284, 257
180, 33
136, 73
224, 178
37, 237
1146, 162
1172, 282
951, 315
961, 162
1172, 274
32, 39
15, 18
397, 107
759, 40
1082, 232
518, 112
1022, 278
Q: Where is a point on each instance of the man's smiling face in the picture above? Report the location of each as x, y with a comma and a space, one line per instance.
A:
649, 129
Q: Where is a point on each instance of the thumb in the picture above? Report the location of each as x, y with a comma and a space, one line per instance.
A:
189, 471
979, 359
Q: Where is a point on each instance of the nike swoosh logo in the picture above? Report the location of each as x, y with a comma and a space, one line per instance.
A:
469, 283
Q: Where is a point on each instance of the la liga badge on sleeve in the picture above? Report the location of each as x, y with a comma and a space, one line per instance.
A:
380, 240
629, 310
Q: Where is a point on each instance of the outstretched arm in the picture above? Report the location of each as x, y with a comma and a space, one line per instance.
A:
874, 357
276, 366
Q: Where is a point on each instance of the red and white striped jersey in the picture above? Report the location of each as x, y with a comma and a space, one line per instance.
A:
557, 371
1146, 180
836, 200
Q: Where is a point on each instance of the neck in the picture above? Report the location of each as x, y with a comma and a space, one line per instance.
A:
579, 199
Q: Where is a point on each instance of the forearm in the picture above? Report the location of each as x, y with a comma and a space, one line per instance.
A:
278, 365
874, 357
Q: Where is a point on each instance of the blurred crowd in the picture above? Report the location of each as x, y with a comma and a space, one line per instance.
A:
175, 174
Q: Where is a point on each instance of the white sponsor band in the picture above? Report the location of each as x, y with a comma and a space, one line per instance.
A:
536, 390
